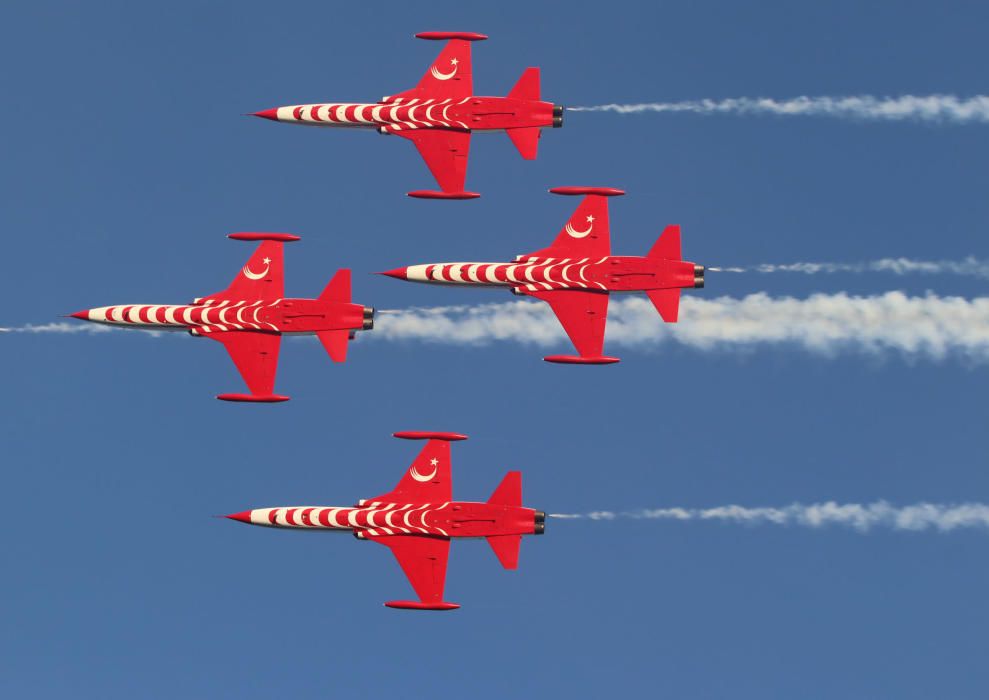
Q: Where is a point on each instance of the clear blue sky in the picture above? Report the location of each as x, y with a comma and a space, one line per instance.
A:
126, 161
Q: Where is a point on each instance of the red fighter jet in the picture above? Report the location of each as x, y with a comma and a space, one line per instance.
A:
576, 273
250, 316
418, 519
439, 114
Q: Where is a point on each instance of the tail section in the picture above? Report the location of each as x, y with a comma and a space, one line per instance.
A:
667, 246
508, 493
335, 342
526, 139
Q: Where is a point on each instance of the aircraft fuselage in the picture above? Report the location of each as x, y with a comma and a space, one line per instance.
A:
375, 519
402, 114
209, 315
530, 273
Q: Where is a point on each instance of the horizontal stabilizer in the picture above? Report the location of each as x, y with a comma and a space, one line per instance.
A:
506, 548
509, 491
667, 303
335, 343
527, 88
526, 139
667, 246
581, 360
416, 605
338, 288
253, 398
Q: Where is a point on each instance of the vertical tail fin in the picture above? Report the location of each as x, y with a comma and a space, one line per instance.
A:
667, 246
338, 288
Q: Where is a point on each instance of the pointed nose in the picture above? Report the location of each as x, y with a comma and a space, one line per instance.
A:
243, 516
271, 114
399, 273
84, 315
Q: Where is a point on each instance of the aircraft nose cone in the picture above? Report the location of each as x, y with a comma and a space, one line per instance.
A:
399, 273
84, 315
271, 114
243, 516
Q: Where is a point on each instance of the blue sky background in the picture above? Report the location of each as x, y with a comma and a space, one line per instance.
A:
126, 162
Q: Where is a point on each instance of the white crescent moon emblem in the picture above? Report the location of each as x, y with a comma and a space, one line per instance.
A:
442, 76
578, 234
421, 477
255, 275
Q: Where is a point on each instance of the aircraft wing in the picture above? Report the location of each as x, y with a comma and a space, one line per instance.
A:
586, 234
583, 315
445, 153
256, 357
449, 77
261, 279
423, 559
428, 478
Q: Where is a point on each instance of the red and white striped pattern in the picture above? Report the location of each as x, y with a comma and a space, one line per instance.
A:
398, 114
372, 519
206, 317
530, 273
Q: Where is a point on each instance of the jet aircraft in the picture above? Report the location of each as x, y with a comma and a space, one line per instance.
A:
576, 273
250, 316
419, 517
439, 114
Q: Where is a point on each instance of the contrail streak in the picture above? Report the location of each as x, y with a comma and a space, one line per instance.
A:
923, 326
943, 109
970, 267
862, 517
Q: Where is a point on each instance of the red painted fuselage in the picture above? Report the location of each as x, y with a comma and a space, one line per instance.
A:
530, 273
395, 114
203, 316
379, 518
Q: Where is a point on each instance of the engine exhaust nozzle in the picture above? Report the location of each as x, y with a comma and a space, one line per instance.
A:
557, 116
368, 323
698, 276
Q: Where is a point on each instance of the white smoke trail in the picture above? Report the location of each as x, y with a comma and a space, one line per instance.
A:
861, 517
969, 266
929, 326
60, 327
946, 109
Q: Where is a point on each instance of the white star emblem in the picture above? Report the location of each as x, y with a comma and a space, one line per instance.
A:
433, 462
266, 261
590, 219
454, 61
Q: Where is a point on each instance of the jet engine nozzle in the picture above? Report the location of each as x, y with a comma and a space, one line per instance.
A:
557, 116
540, 524
368, 318
698, 276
